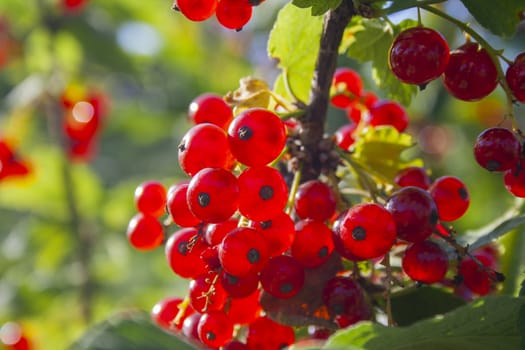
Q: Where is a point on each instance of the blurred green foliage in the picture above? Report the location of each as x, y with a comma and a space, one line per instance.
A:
152, 62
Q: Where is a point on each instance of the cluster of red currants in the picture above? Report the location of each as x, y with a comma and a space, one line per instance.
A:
231, 14
83, 119
11, 165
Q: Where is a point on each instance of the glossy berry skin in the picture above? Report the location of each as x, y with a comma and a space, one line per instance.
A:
388, 113
183, 250
451, 197
470, 74
243, 251
283, 276
213, 195
190, 326
418, 55
497, 149
215, 329
413, 176
235, 345
206, 293
239, 287
245, 310
414, 212
150, 198
344, 137
263, 193
475, 278
314, 200
347, 87
166, 310
233, 14
515, 77
425, 262
313, 243
210, 108
196, 10
279, 232
367, 231
256, 136
145, 232
205, 145
215, 233
178, 207
514, 180
344, 296
266, 334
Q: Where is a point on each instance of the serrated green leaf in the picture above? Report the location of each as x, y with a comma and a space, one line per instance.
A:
380, 150
486, 324
129, 331
293, 42
319, 7
500, 18
369, 40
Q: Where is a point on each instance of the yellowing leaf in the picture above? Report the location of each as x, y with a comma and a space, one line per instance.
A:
251, 93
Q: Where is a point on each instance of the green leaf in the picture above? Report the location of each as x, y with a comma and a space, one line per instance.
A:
129, 331
293, 43
501, 17
411, 305
485, 324
369, 40
522, 289
319, 7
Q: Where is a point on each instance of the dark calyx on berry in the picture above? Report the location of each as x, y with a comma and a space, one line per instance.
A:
204, 199
266, 192
253, 256
359, 233
245, 133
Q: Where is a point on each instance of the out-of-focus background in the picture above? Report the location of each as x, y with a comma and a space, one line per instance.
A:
65, 262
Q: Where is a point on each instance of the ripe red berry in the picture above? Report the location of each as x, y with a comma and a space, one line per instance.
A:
206, 293
418, 55
388, 113
73, 6
243, 251
145, 232
150, 198
264, 333
183, 251
190, 326
451, 197
413, 176
213, 195
347, 87
210, 108
239, 287
205, 145
283, 276
367, 231
313, 243
514, 179
414, 212
425, 262
344, 297
262, 193
470, 74
245, 310
215, 329
178, 207
344, 137
315, 200
515, 77
164, 313
196, 10
279, 233
215, 233
256, 136
497, 149
235, 345
233, 14
475, 277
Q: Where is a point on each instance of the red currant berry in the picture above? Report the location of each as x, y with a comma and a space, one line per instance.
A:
206, 293
145, 232
388, 113
216, 232
183, 250
497, 149
425, 262
451, 197
213, 195
210, 108
344, 137
245, 310
347, 87
413, 176
196, 10
313, 243
215, 329
205, 145
190, 326
239, 287
515, 77
514, 179
470, 74
279, 232
315, 200
414, 212
233, 14
263, 193
256, 136
243, 251
418, 55
150, 198
177, 206
283, 276
235, 345
343, 296
166, 310
475, 277
367, 231
264, 333
81, 122
12, 337
339, 245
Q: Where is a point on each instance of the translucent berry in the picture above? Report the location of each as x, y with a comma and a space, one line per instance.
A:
215, 329
347, 87
210, 108
497, 149
313, 243
183, 250
235, 345
283, 276
150, 198
514, 179
515, 77
178, 207
215, 233
165, 311
190, 326
315, 200
470, 74
344, 296
245, 310
196, 10
344, 137
413, 176
475, 277
243, 251
239, 287
233, 14
279, 232
388, 113
145, 232
206, 293
264, 333
425, 262
451, 197
418, 55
